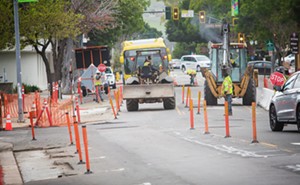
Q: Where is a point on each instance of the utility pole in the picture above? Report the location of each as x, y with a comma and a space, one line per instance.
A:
18, 64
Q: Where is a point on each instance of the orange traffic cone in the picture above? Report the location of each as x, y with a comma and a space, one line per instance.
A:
8, 126
195, 82
175, 82
33, 109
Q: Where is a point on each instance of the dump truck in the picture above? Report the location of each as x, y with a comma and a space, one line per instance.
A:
149, 83
233, 58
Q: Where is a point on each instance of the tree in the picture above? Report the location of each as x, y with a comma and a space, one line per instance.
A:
7, 24
270, 20
43, 23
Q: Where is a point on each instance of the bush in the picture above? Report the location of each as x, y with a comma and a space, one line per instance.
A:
28, 88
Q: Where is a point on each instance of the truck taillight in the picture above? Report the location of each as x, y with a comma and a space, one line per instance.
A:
132, 58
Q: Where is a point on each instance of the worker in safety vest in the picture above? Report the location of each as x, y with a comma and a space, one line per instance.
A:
98, 85
192, 73
147, 62
227, 89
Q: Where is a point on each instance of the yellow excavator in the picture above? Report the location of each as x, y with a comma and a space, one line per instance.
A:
233, 58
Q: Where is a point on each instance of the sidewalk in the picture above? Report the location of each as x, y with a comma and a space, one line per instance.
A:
90, 112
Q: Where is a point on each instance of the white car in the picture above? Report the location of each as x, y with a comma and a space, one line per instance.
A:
290, 59
195, 62
175, 63
110, 77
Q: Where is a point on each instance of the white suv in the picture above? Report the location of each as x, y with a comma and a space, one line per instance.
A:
110, 77
195, 62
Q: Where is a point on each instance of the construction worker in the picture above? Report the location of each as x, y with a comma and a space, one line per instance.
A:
192, 74
147, 61
227, 89
98, 85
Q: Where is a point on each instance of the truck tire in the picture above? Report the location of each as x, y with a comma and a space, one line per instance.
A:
132, 105
208, 96
250, 95
169, 103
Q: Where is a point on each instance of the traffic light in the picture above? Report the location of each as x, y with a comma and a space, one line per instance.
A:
241, 38
175, 13
234, 21
202, 16
168, 12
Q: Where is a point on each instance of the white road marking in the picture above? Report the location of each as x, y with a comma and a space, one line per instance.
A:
224, 148
295, 143
100, 157
116, 170
294, 168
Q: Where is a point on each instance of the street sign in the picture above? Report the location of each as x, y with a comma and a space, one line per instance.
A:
27, 1
187, 13
101, 67
270, 45
277, 79
294, 42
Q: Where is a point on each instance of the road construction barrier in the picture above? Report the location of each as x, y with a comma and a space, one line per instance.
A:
32, 125
182, 94
205, 118
77, 139
199, 100
254, 123
85, 142
265, 82
117, 101
23, 98
45, 107
112, 107
187, 97
191, 114
226, 120
1, 120
77, 110
8, 125
69, 128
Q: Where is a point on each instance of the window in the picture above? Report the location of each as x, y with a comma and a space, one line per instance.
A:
297, 82
193, 59
289, 84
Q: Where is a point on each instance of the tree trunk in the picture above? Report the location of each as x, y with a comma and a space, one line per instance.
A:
67, 58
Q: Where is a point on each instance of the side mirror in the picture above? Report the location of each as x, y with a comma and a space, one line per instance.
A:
121, 59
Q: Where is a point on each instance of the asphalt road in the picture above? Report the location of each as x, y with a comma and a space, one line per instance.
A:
157, 146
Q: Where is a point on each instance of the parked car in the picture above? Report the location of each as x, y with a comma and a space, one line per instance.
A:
175, 64
285, 104
110, 77
263, 67
195, 62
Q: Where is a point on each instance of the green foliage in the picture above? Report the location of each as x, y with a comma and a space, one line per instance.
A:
48, 19
269, 20
27, 88
129, 22
7, 24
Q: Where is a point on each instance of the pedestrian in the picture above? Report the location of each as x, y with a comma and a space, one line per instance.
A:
98, 85
227, 89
